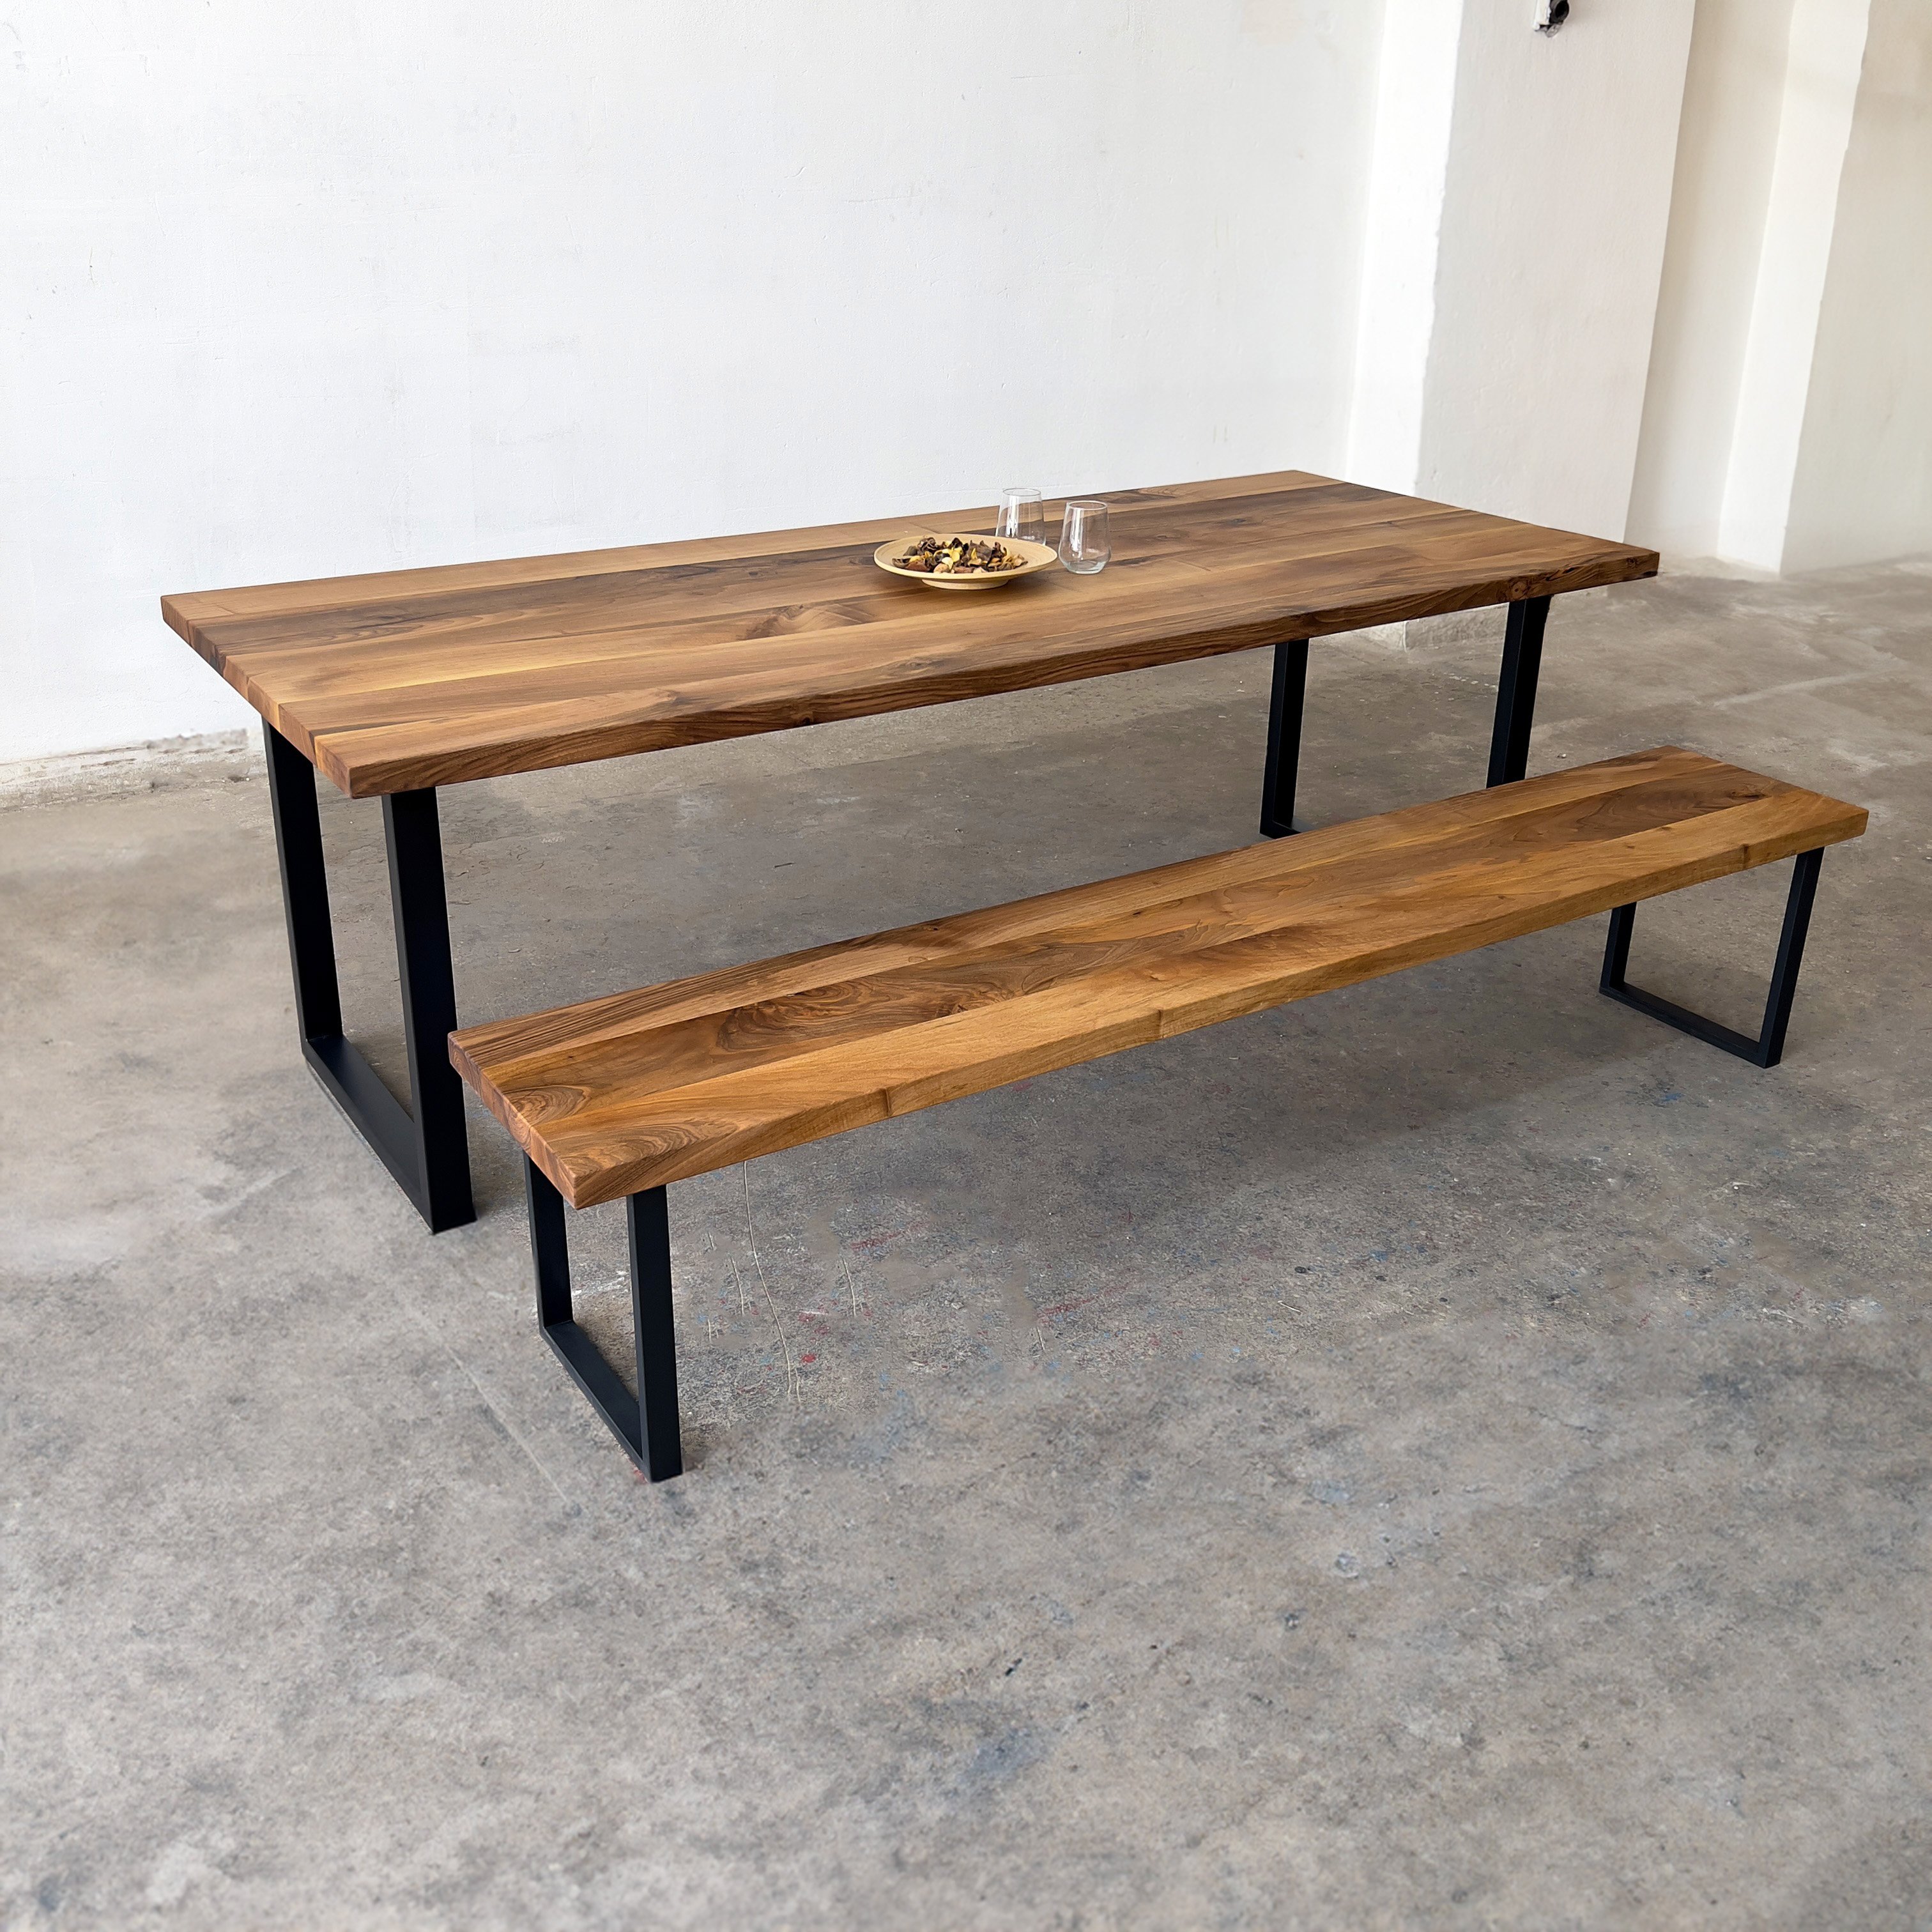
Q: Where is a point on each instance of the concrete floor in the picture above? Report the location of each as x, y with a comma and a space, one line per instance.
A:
1453, 1453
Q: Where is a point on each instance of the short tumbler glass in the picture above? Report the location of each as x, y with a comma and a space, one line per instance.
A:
1021, 516
1084, 546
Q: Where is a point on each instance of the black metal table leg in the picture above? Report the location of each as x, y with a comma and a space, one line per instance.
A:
1767, 1049
646, 1424
427, 1150
1509, 738
1515, 690
1284, 745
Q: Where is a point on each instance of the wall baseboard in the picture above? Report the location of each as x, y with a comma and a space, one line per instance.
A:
162, 764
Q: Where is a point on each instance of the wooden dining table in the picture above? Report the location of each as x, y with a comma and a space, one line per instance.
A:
394, 684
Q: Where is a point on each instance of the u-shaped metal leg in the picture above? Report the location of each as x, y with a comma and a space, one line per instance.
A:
647, 1424
423, 1145
1767, 1049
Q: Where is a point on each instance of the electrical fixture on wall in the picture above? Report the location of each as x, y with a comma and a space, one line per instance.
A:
1550, 15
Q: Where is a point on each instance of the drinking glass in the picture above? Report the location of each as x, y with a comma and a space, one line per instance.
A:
1084, 546
1021, 516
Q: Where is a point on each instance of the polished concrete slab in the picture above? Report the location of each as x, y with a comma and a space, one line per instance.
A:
1452, 1452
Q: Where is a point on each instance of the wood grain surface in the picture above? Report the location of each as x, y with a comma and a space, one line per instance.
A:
629, 1091
429, 677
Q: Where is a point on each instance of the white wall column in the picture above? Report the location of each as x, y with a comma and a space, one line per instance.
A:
1519, 203
1788, 425
1733, 99
1821, 86
1863, 490
1408, 172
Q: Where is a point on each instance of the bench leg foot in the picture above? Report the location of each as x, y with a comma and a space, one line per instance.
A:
425, 1148
1767, 1049
1515, 690
1284, 745
647, 1424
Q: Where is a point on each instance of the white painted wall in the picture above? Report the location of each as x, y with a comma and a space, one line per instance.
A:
1862, 489
291, 291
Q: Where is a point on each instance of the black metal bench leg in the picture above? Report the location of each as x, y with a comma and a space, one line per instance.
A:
1767, 1049
426, 1150
647, 1424
1515, 690
1284, 744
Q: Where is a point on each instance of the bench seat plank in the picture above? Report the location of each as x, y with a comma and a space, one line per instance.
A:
614, 1095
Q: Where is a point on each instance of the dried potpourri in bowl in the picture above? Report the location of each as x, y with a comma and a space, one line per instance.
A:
942, 556
952, 560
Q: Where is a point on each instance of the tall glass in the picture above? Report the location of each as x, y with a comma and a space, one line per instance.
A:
1021, 516
1084, 544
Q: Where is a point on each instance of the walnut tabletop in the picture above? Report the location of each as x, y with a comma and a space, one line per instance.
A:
413, 678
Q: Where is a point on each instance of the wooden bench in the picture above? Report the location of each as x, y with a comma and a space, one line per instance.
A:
616, 1097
